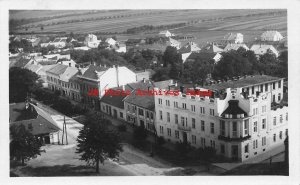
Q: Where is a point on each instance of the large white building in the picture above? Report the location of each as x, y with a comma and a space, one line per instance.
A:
271, 36
239, 121
91, 41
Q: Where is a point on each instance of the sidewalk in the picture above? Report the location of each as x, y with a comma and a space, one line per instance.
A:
258, 159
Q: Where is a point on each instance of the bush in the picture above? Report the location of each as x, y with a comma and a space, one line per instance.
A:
122, 128
183, 149
160, 141
139, 136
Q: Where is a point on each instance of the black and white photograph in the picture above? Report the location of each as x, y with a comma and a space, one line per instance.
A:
149, 91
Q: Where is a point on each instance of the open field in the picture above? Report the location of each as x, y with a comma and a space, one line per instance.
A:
121, 20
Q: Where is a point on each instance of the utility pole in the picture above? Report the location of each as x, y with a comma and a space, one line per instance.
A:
64, 132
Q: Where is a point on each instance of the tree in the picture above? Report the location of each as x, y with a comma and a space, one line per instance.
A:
171, 56
96, 143
21, 83
140, 136
23, 145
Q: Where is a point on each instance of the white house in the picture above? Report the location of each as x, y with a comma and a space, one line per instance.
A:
271, 36
174, 43
236, 38
261, 49
111, 41
166, 33
237, 119
91, 41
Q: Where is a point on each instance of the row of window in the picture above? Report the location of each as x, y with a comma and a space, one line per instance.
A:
63, 84
280, 119
263, 87
141, 112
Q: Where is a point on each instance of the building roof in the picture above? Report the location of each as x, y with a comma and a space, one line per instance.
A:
271, 34
233, 109
201, 56
232, 36
141, 101
233, 46
189, 47
211, 48
243, 82
34, 120
116, 101
260, 49
34, 68
69, 73
21, 62
94, 72
58, 69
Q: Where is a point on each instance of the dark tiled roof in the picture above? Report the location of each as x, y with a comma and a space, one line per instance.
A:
233, 108
18, 112
201, 56
243, 82
58, 69
21, 62
90, 72
116, 101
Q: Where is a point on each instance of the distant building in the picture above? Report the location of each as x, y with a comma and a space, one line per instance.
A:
100, 78
211, 48
233, 46
261, 49
111, 41
59, 42
174, 43
36, 121
271, 36
166, 33
91, 41
188, 49
236, 38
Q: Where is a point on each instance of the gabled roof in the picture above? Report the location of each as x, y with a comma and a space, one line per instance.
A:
211, 48
93, 71
69, 73
58, 69
201, 56
260, 49
189, 47
116, 101
232, 36
34, 68
234, 46
270, 34
21, 62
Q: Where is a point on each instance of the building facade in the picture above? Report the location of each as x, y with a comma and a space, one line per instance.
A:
237, 121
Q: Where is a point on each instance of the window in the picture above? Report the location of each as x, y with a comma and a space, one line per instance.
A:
212, 128
253, 90
176, 118
274, 121
212, 112
212, 144
255, 144
279, 84
121, 114
141, 112
147, 114
247, 148
222, 128
280, 135
273, 98
263, 141
273, 85
202, 142
274, 137
279, 96
266, 87
261, 88
151, 115
234, 129
169, 131
168, 117
202, 125
193, 139
286, 116
161, 129
246, 127
160, 115
255, 126
193, 123
264, 109
176, 134
255, 111
168, 103
202, 110
263, 125
280, 119
159, 101
193, 108
182, 121
286, 132
175, 104
222, 149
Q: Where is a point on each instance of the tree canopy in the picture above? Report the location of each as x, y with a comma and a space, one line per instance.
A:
23, 145
97, 143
